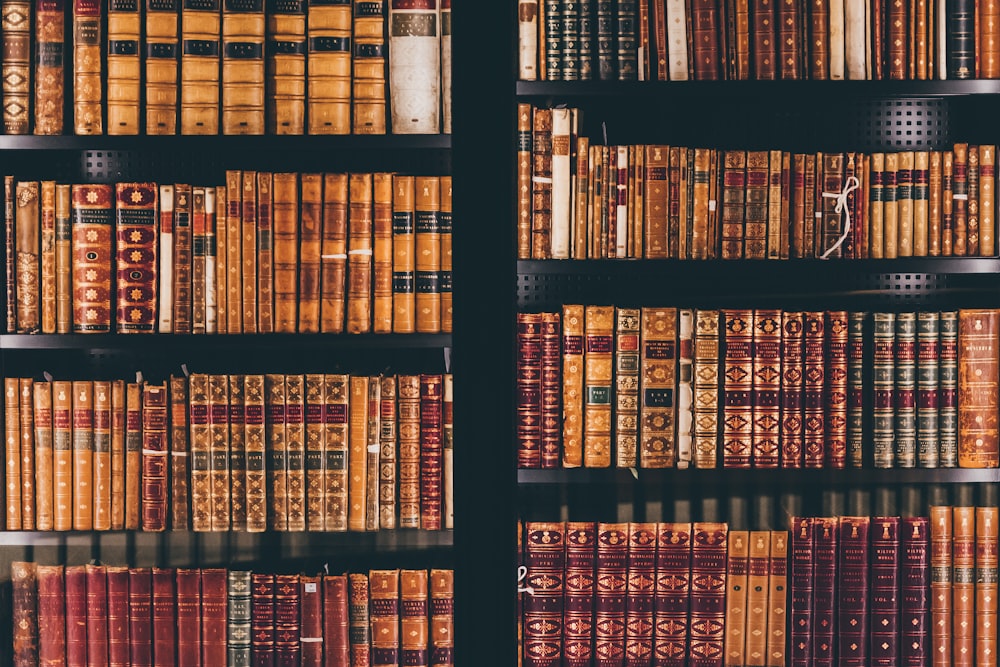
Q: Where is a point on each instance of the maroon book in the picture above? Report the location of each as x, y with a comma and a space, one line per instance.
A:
312, 621
188, 617
336, 621
824, 591
97, 616
708, 594
672, 600
766, 367
51, 615
140, 620
76, 615
118, 617
737, 415
545, 558
852, 579
287, 608
154, 456
885, 591
578, 609
213, 616
802, 534
814, 399
641, 566
262, 620
431, 451
528, 430
25, 613
551, 391
792, 360
164, 617
914, 591
611, 586
836, 389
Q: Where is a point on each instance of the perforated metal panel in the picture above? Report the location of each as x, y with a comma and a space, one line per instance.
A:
912, 124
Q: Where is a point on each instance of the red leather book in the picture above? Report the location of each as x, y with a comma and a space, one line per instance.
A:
914, 591
853, 581
792, 386
183, 261
978, 377
287, 626
384, 612
529, 390
97, 615
165, 625
737, 423
51, 615
814, 407
884, 591
360, 630
611, 585
641, 564
312, 621
986, 585
704, 37
336, 623
762, 35
154, 456
92, 259
835, 389
118, 617
76, 615
801, 618
262, 620
578, 605
188, 617
25, 613
213, 616
136, 244
940, 587
551, 392
766, 386
824, 591
708, 593
431, 453
442, 627
140, 620
672, 599
545, 559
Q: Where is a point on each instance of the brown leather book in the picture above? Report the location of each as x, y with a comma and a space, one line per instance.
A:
16, 27
27, 266
124, 65
987, 197
92, 248
310, 249
599, 332
199, 82
286, 251
657, 391
27, 437
428, 253
154, 456
818, 39
201, 452
287, 624
706, 388
76, 614
262, 617
256, 477
766, 367
136, 257
315, 452
700, 241
387, 453
333, 257
705, 23
963, 561
165, 307
335, 392
286, 66
978, 374
541, 185
41, 396
295, 450
311, 629
369, 85
414, 626
359, 254
10, 253
83, 455
117, 454
357, 453
102, 455
248, 234
626, 387
183, 235
403, 255
164, 616
336, 622
572, 385
329, 77
385, 610
431, 473
408, 406
276, 451
986, 584
12, 452
140, 602
265, 252
524, 186
50, 29
382, 293
243, 67
528, 371
47, 254
960, 199
757, 606
188, 623
444, 275
162, 55
198, 260
737, 389
218, 455
359, 619
972, 217
51, 615
97, 614
442, 621
87, 67
234, 252
738, 555
133, 453
118, 616
237, 453
62, 457
213, 616
179, 454
221, 266
896, 25
64, 260
25, 612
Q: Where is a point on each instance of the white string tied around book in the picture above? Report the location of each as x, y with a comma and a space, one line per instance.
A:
522, 574
841, 208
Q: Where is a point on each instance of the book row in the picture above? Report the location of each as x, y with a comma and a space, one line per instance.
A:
649, 387
265, 253
230, 452
211, 617
708, 40
579, 200
215, 68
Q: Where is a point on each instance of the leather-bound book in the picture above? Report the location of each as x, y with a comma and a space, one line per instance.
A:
83, 455
833, 176
237, 453
357, 467
264, 267
978, 372
154, 456
76, 614
262, 621
10, 254
947, 202
448, 450
442, 618
162, 54
189, 617
904, 204
942, 577
431, 451
336, 643
62, 457
835, 396
124, 65
286, 251
102, 455
524, 186
987, 200
883, 383
12, 453
550, 408
136, 257
764, 49
927, 389
427, 201
50, 28
824, 598
255, 439
948, 389
960, 40
201, 448
333, 257
51, 616
737, 563
315, 452
87, 67
329, 76
359, 615
791, 49
408, 406
934, 203
97, 614
921, 176
641, 566
705, 23
801, 618
671, 604
896, 25
27, 437
960, 199
766, 439
757, 602
658, 365
118, 454
16, 27
234, 251
275, 451
853, 579
382, 292
884, 623
777, 599
387, 450
335, 398
63, 259
403, 255
599, 337
569, 33
527, 25
183, 261
199, 256
611, 577
118, 616
165, 318
626, 40
578, 614
213, 616
792, 387
706, 388
737, 427
814, 395
904, 391
243, 67
47, 255
986, 585
656, 241
26, 262
914, 591
216, 306
165, 626
41, 403
286, 66
199, 80
572, 385
708, 593
359, 258
755, 228
856, 386
310, 248
311, 632
179, 449
140, 607
218, 451
818, 39
626, 389
238, 616
541, 183
778, 180
295, 446
369, 85
415, 66
444, 276
25, 613
384, 594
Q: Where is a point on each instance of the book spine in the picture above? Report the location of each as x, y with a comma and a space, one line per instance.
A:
777, 599
987, 200
448, 450
311, 632
737, 562
708, 564
336, 623
335, 395
237, 452
285, 251
921, 183
136, 237
262, 619
41, 403
835, 388
62, 458
735, 190
856, 388
986, 584
179, 450
118, 419
431, 451
276, 453
527, 41
243, 67
706, 388
359, 255
927, 403
824, 598
529, 389
329, 63
310, 241
97, 614
286, 64
626, 387
201, 28
256, 447
166, 254
133, 453
50, 28
262, 318
766, 438
755, 229
610, 594
578, 601
904, 391
287, 619
47, 255
685, 387
357, 453
884, 385
140, 608
16, 28
384, 611
12, 451
124, 64
83, 455
403, 249
599, 337
333, 262
672, 599
978, 373
165, 625
442, 616
387, 451
118, 616
76, 614
445, 225
26, 260
63, 259
359, 615
183, 234
102, 455
212, 258
154, 456
960, 41
250, 247
162, 56
963, 561
757, 603
234, 251
801, 618
914, 591
641, 567
87, 69
572, 385
218, 452
201, 452
409, 451
854, 586
315, 452
214, 605
382, 293
415, 67
427, 239
295, 446
369, 84
51, 594
24, 584
948, 389
541, 183
677, 43
658, 373
239, 610
738, 388
189, 611
199, 252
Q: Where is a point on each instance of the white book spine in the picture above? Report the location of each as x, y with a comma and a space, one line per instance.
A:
445, 24
836, 39
561, 190
941, 23
527, 39
855, 39
166, 321
621, 209
685, 387
211, 305
677, 42
414, 69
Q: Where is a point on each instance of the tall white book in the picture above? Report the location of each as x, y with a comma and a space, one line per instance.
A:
415, 66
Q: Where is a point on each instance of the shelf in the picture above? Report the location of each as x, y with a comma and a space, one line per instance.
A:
389, 540
223, 143
760, 478
227, 342
797, 269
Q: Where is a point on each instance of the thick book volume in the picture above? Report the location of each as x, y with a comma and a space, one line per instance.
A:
414, 66
914, 591
12, 453
963, 562
47, 253
384, 592
286, 65
598, 367
213, 616
430, 451
124, 66
369, 67
243, 67
626, 409
310, 249
83, 455
336, 644
335, 396
183, 235
239, 611
545, 559
50, 28
978, 375
708, 591
737, 417
51, 614
328, 90
154, 459
26, 261
408, 406
382, 301
136, 233
359, 615
427, 236
359, 254
986, 584
23, 577
706, 388
92, 246
87, 43
884, 589
201, 484
441, 644
218, 428
658, 372
199, 82
162, 52
276, 452
403, 255
262, 621
737, 561
801, 571
285, 251
16, 28
333, 253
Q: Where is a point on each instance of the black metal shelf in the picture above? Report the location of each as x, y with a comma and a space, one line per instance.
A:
799, 269
765, 478
227, 342
223, 143
386, 540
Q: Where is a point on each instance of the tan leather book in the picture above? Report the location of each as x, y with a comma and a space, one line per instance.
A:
706, 388
87, 43
415, 66
890, 207
904, 204
221, 261
286, 67
387, 453
234, 252
199, 83
277, 469
921, 169
333, 257
133, 451
256, 478
47, 254
124, 66
243, 67
382, 294
658, 388
27, 248
444, 276
180, 455
442, 615
329, 80
265, 252
218, 451
758, 587
777, 599
369, 89
524, 186
963, 585
736, 598
876, 210
102, 455
413, 621
336, 393
626, 387
934, 204
978, 376
960, 200
408, 424
315, 452
359, 254
372, 453
237, 453
986, 585
987, 200
541, 188
947, 203
200, 446
572, 385
62, 456
357, 458
295, 442
27, 436
92, 253
64, 260
385, 609
582, 197
403, 255
198, 257
165, 305
987, 41
248, 234
310, 250
50, 36
117, 454
446, 66
16, 28
427, 238
12, 452
286, 251
598, 341
42, 409
83, 455
699, 240
162, 54
183, 260
210, 253
10, 253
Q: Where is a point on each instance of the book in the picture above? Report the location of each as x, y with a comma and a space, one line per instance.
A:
599, 336
63, 259
124, 65
986, 586
626, 409
403, 255
165, 614
836, 386
706, 387
409, 425
199, 258
237, 452
310, 242
415, 67
239, 610
610, 592
26, 261
757, 603
737, 417
431, 397
572, 385
179, 454
41, 404
333, 258
777, 599
160, 63
25, 621
188, 610
87, 67
359, 614
286, 65
154, 456
855, 583
359, 254
136, 257
336, 644
49, 71
133, 452
201, 452
814, 383
285, 252
295, 450
824, 590
140, 608
16, 28
948, 389
382, 291
183, 235
387, 451
214, 606
51, 617
357, 448
218, 452
311, 631
369, 83
581, 540
97, 613
641, 567
261, 215
102, 455
262, 618
657, 377
708, 591
335, 395
427, 246
200, 33
978, 370
801, 571
47, 255
766, 443
243, 67
963, 561
904, 390
385, 612
441, 642
255, 444
276, 451
737, 562
914, 589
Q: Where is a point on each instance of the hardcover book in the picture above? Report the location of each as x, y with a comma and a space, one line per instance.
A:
854, 589
50, 29
243, 67
369, 85
737, 416
199, 78
87, 66
286, 65
16, 28
706, 388
124, 65
708, 592
136, 241
415, 66
978, 373
162, 55
599, 334
329, 61
657, 376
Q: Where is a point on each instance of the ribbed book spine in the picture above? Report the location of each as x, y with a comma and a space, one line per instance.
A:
199, 79
336, 390
431, 451
387, 451
136, 246
286, 64
572, 385
384, 586
83, 455
598, 341
369, 98
708, 594
276, 453
218, 452
295, 445
737, 423
16, 28
403, 249
672, 598
179, 454
427, 241
766, 395
50, 28
626, 388
333, 258
927, 404
963, 612
329, 61
415, 66
183, 261
201, 466
656, 378
27, 256
243, 67
853, 590
441, 642
986, 585
124, 65
904, 391
359, 614
978, 373
685, 387
154, 457
238, 616
76, 614
285, 251
315, 452
884, 384
287, 618
611, 585
102, 456
51, 614
262, 216
336, 645
87, 67
262, 620
359, 254
237, 452
777, 603
92, 247
578, 615
884, 591
856, 388
801, 618
24, 586
737, 560
706, 388
97, 613
641, 565
310, 243
758, 591
63, 259
824, 598
814, 384
835, 389
915, 592
118, 616
162, 55
140, 607
529, 390
948, 389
